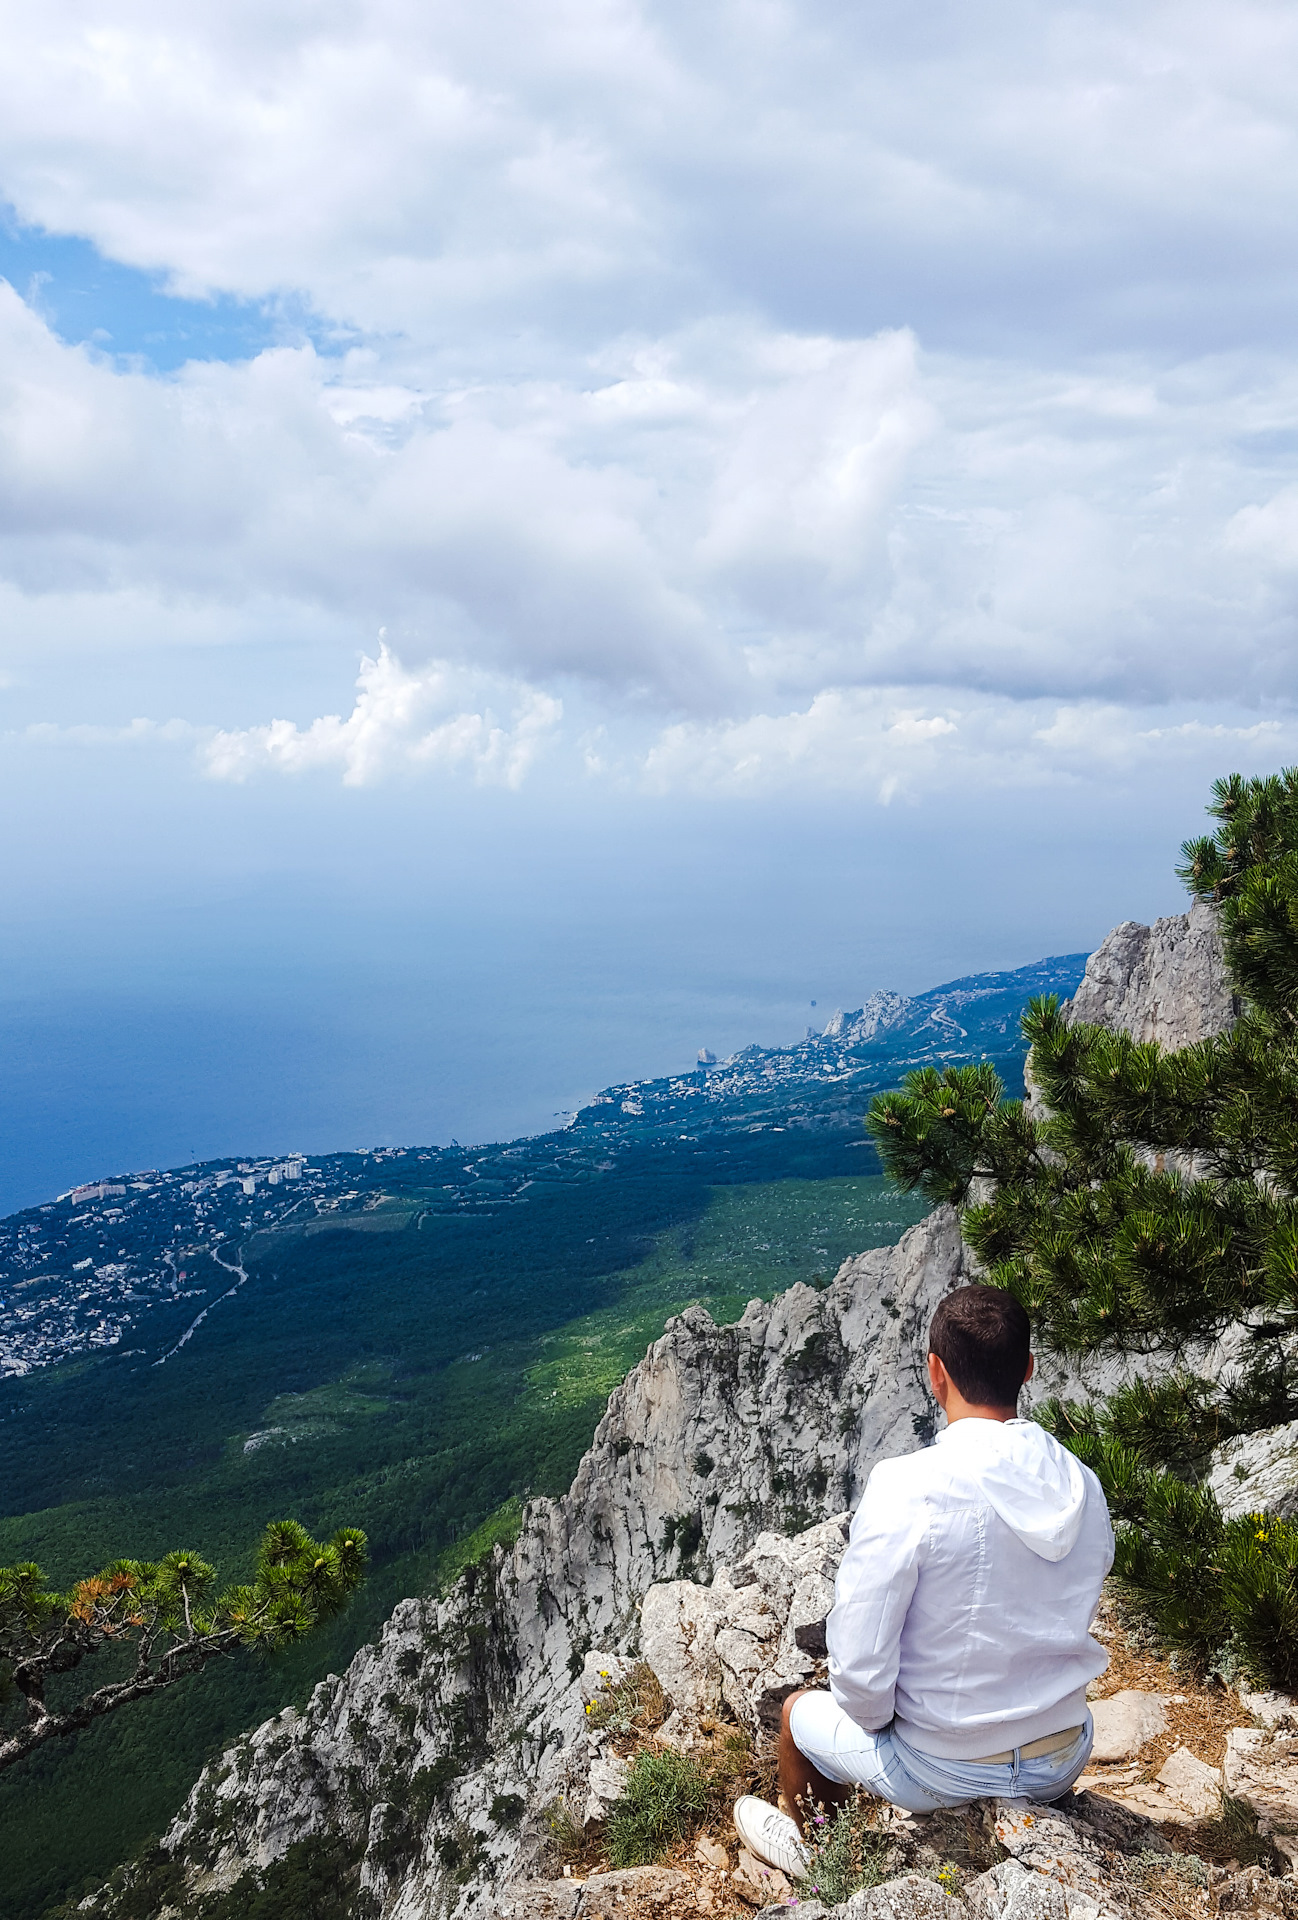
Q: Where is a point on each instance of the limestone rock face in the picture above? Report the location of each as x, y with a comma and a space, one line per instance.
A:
1012, 1891
598, 1898
753, 1637
1257, 1473
1060, 1850
1167, 982
718, 1446
909, 1897
1262, 1768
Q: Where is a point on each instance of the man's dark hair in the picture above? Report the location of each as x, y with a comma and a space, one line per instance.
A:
982, 1337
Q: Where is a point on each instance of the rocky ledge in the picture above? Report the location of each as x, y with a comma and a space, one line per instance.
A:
1190, 1805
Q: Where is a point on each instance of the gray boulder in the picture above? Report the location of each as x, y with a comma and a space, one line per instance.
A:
1012, 1891
910, 1897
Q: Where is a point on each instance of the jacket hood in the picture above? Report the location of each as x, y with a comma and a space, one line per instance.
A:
1036, 1486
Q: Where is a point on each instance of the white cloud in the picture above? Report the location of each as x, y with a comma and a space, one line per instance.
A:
140, 732
869, 741
752, 378
1073, 171
401, 719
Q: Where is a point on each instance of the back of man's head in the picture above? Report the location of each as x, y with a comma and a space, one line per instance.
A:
982, 1336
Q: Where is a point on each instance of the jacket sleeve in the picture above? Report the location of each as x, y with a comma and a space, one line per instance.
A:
873, 1592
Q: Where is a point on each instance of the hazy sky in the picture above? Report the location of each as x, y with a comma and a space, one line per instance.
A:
520, 518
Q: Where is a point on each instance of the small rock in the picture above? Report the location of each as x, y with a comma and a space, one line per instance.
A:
1012, 1891
1270, 1710
712, 1853
1150, 1803
908, 1898
1192, 1783
1126, 1722
608, 1777
768, 1883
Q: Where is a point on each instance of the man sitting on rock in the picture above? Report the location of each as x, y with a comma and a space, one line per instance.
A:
959, 1641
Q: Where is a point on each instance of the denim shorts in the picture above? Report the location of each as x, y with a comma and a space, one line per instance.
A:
884, 1765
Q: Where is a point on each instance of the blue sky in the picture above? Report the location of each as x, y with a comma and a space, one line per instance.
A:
814, 486
127, 313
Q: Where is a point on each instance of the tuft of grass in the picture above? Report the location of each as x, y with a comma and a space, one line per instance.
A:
1234, 1836
848, 1850
667, 1798
634, 1701
566, 1835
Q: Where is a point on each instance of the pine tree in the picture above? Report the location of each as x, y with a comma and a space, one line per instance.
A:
166, 1614
1155, 1205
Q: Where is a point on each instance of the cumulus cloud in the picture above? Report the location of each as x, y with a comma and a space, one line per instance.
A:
1007, 172
401, 719
802, 396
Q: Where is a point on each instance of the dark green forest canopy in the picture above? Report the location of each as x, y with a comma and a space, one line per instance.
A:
1152, 1206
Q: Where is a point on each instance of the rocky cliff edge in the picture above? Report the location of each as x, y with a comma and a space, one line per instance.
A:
721, 1435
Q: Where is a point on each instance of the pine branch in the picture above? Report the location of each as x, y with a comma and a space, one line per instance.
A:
162, 1605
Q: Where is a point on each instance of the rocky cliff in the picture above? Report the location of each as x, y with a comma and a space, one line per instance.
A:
720, 1435
1167, 982
431, 1762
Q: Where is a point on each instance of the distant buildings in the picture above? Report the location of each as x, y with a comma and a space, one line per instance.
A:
283, 1170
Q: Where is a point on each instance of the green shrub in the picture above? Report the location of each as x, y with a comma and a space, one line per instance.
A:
1213, 1588
847, 1849
665, 1800
1259, 1589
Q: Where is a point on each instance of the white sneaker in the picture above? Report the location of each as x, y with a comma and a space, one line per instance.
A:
771, 1835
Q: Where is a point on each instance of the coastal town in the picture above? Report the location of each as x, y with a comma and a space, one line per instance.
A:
130, 1262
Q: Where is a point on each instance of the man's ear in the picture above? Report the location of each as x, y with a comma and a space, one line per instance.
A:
1032, 1367
939, 1379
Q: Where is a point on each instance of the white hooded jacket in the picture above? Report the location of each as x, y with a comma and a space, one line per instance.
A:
964, 1601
